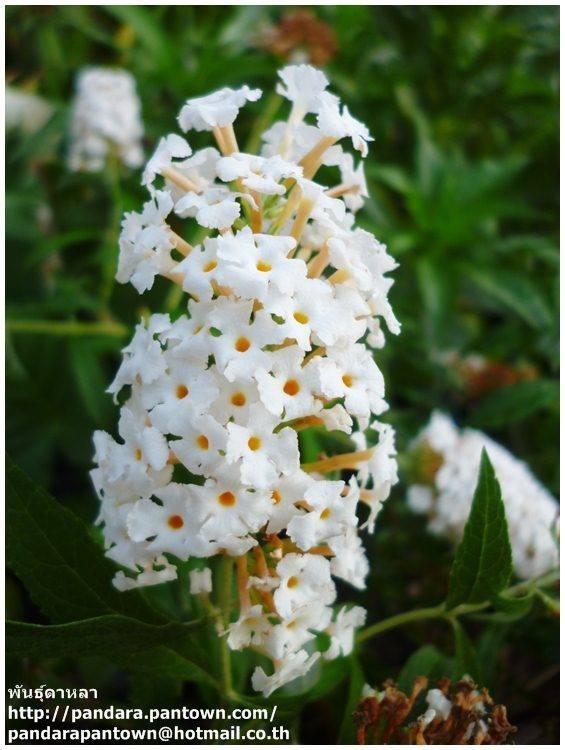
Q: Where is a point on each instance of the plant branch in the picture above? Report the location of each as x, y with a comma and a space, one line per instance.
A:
439, 612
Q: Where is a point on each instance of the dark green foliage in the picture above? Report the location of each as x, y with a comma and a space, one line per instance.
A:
483, 561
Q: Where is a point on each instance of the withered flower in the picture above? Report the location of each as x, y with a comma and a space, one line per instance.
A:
457, 714
300, 36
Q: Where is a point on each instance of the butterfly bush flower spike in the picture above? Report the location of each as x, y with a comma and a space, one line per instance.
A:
280, 294
105, 120
448, 460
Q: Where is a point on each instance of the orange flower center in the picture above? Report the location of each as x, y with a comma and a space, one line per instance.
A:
263, 266
202, 442
291, 387
182, 391
276, 497
242, 344
301, 317
238, 399
176, 522
227, 499
347, 380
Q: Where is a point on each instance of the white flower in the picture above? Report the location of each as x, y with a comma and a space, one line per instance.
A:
199, 270
302, 85
180, 395
257, 173
143, 357
232, 513
349, 561
149, 577
261, 454
295, 665
253, 263
352, 374
239, 347
330, 514
288, 636
288, 389
340, 124
145, 243
382, 469
531, 512
287, 491
200, 581
342, 631
168, 149
203, 445
173, 526
217, 109
251, 628
105, 119
213, 208
304, 578
25, 111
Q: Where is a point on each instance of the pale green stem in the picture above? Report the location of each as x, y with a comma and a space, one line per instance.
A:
441, 613
67, 328
224, 603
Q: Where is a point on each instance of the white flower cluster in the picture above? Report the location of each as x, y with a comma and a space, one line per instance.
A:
105, 119
280, 296
25, 111
454, 457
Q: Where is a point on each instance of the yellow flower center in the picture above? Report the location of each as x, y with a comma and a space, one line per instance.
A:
254, 443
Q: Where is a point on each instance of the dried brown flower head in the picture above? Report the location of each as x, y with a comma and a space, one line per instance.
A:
300, 36
458, 714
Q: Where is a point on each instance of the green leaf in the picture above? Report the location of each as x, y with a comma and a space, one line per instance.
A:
165, 661
466, 660
514, 402
425, 662
108, 635
483, 561
53, 554
514, 292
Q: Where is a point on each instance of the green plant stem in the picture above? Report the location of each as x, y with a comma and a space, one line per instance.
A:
426, 613
67, 328
112, 234
439, 612
224, 603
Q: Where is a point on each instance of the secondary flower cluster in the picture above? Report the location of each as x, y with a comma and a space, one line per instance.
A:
449, 461
281, 293
105, 119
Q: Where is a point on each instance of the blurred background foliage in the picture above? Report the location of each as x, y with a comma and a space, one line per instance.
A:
463, 174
